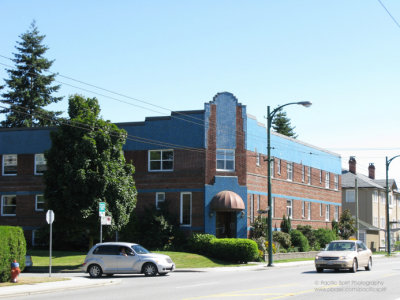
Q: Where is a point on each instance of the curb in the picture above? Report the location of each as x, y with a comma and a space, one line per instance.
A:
47, 287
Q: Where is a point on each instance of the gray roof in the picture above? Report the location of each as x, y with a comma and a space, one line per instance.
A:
366, 226
382, 182
348, 181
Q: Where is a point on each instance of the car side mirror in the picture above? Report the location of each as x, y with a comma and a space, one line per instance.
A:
131, 253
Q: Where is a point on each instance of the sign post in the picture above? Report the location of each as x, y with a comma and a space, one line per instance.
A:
50, 220
102, 213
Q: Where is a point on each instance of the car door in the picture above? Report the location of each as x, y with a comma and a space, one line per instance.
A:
129, 263
362, 254
107, 254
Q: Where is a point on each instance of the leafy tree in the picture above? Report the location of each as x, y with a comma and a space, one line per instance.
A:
308, 232
281, 124
28, 89
86, 166
259, 228
347, 226
324, 236
286, 224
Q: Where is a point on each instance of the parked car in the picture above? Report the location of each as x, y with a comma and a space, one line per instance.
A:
344, 254
125, 258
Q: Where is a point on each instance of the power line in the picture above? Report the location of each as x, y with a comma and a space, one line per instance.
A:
394, 20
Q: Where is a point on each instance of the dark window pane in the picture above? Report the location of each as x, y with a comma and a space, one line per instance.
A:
155, 155
155, 165
167, 165
168, 155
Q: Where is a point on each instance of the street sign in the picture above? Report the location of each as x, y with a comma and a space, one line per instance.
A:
50, 217
106, 220
102, 209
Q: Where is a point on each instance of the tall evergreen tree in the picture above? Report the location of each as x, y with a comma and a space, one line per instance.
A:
347, 225
281, 124
28, 89
85, 166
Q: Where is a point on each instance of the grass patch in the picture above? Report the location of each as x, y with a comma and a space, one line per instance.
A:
60, 260
293, 259
33, 280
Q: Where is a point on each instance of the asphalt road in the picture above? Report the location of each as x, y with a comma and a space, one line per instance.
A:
288, 282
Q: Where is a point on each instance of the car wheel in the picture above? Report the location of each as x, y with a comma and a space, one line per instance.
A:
95, 271
149, 269
369, 266
354, 267
320, 270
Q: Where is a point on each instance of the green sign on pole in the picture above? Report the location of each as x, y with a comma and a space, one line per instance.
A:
102, 209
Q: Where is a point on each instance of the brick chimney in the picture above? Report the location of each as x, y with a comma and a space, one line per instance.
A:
352, 164
371, 171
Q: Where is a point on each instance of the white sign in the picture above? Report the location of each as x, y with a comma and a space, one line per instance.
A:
50, 217
102, 209
106, 220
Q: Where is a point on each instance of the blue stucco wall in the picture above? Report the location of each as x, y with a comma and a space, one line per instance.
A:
222, 183
290, 149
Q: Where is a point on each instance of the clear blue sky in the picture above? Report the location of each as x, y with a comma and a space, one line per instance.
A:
341, 55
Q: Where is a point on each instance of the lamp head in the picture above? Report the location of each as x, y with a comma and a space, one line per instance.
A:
305, 103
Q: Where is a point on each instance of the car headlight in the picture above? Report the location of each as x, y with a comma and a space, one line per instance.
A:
317, 257
343, 257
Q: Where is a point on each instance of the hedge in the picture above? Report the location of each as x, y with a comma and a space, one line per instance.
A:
12, 246
299, 240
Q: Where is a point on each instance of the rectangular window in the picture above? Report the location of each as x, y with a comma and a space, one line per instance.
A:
9, 205
309, 211
289, 208
383, 197
278, 167
39, 203
390, 200
257, 158
251, 208
309, 175
10, 164
272, 167
303, 173
186, 209
303, 209
258, 202
40, 164
376, 223
336, 182
272, 207
327, 212
161, 160
327, 178
320, 176
160, 199
320, 209
289, 171
350, 196
225, 160
383, 223
336, 213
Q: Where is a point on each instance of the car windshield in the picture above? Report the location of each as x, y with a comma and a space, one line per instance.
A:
341, 246
140, 250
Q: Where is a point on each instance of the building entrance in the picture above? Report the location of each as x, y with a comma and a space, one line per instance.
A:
225, 224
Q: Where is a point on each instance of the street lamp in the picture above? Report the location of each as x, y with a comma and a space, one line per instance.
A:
270, 117
388, 161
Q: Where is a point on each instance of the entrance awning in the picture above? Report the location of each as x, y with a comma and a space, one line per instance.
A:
227, 201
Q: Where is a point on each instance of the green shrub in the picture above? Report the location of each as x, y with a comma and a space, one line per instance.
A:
200, 243
259, 228
299, 240
324, 236
234, 250
282, 250
12, 246
282, 238
286, 224
308, 232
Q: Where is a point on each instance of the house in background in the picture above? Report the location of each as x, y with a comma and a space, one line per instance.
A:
371, 205
209, 165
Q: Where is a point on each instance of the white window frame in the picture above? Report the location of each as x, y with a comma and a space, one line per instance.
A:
3, 198
382, 223
39, 157
223, 154
36, 203
272, 207
336, 182
382, 197
273, 167
376, 222
336, 214
161, 160
303, 209
350, 196
320, 209
327, 179
309, 211
252, 208
327, 212
181, 209
303, 173
289, 208
159, 196
279, 166
5, 163
257, 158
320, 176
309, 175
289, 169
